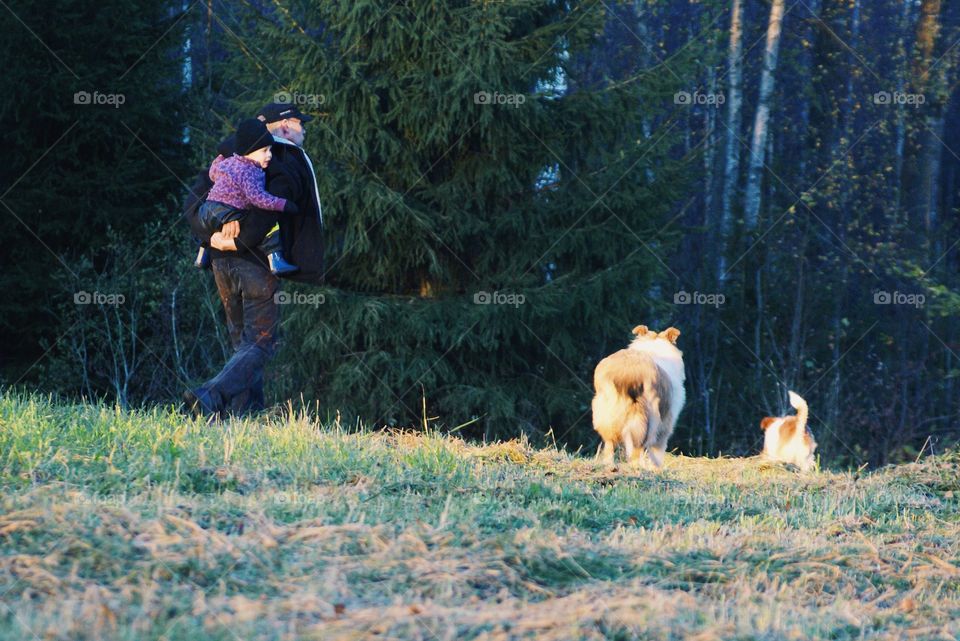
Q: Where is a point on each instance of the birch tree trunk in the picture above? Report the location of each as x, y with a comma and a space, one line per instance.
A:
731, 169
758, 142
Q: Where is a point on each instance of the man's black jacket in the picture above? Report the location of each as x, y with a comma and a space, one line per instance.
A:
288, 176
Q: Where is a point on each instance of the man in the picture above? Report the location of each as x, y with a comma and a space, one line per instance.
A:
247, 288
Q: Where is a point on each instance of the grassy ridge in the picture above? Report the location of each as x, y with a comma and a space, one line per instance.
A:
146, 525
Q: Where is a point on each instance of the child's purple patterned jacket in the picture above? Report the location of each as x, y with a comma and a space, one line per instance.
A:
241, 183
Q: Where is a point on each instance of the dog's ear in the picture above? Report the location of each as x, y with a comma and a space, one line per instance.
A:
640, 330
766, 422
671, 334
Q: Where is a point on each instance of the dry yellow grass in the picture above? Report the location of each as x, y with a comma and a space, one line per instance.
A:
146, 526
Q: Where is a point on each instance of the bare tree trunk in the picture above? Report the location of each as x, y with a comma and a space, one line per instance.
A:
758, 368
709, 151
759, 140
930, 175
928, 32
845, 130
901, 120
643, 33
209, 45
731, 169
795, 354
714, 235
923, 156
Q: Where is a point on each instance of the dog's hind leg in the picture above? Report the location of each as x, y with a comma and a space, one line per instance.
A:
608, 448
629, 451
655, 442
633, 436
604, 423
657, 452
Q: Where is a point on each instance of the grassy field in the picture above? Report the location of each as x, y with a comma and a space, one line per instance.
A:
146, 525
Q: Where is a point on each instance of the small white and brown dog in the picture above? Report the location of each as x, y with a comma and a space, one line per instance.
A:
639, 394
787, 438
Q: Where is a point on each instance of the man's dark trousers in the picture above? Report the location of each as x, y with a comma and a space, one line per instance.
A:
247, 291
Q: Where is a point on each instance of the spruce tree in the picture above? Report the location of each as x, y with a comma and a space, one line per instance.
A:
93, 141
496, 218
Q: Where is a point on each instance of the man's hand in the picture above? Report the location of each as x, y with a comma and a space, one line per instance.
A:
230, 230
217, 241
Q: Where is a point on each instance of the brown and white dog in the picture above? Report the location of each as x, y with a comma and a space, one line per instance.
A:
639, 394
787, 438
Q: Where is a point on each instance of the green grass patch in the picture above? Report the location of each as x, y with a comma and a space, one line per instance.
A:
150, 525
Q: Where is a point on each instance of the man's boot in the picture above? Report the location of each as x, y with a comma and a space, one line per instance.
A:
199, 403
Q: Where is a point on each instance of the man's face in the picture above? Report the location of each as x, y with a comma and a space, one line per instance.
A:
293, 130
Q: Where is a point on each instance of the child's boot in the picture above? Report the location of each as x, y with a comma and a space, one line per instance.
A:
279, 266
203, 259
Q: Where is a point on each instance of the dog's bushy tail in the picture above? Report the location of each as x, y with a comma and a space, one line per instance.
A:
627, 373
802, 411
629, 387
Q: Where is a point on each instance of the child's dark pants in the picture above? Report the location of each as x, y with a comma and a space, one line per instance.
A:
213, 215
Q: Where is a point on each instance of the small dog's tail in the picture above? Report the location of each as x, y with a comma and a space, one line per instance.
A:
801, 406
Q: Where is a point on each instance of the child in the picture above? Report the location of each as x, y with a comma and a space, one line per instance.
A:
239, 183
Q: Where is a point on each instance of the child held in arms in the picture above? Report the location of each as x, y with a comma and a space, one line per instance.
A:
239, 182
